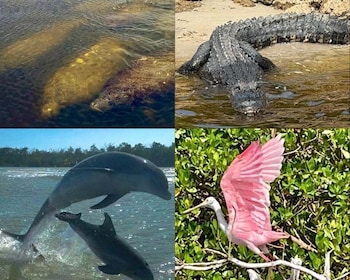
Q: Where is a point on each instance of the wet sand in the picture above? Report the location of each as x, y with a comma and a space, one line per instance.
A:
195, 26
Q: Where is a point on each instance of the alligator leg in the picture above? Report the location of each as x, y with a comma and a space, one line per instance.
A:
265, 63
197, 61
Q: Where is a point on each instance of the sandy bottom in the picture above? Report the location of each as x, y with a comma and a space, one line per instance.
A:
195, 27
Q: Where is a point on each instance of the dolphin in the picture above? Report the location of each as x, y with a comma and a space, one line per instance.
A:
112, 174
118, 255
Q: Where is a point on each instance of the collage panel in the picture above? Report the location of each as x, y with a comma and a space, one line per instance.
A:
266, 64
87, 204
87, 63
174, 139
238, 190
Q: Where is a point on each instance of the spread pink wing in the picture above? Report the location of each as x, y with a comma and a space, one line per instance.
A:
246, 190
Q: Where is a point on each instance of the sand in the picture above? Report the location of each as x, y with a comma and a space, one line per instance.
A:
195, 26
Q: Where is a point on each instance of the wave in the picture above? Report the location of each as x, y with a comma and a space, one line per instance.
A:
169, 173
32, 172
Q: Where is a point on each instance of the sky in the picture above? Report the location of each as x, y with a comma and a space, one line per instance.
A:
57, 138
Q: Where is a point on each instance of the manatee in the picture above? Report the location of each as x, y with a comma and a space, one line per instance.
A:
25, 51
148, 76
83, 77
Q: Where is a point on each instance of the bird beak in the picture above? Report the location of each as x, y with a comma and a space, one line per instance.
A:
195, 207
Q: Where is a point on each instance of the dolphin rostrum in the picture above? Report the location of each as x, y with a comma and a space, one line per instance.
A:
118, 255
113, 174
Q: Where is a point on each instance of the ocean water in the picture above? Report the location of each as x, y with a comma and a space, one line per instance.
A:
143, 220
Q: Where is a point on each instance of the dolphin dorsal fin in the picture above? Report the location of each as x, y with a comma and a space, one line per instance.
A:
108, 225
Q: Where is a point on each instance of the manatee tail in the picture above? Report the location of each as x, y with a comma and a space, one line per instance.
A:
19, 237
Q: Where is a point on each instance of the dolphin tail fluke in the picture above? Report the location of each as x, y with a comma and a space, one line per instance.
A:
19, 237
108, 200
108, 269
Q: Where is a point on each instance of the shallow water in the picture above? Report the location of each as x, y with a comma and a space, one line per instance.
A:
40, 38
310, 88
143, 220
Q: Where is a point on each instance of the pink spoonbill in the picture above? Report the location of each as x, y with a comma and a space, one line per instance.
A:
245, 185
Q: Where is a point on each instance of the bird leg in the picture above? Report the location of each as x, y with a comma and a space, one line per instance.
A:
257, 251
271, 257
229, 241
266, 259
267, 253
229, 248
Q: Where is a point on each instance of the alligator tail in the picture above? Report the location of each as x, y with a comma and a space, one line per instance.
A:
313, 27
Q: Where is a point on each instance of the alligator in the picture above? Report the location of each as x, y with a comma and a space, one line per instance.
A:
230, 58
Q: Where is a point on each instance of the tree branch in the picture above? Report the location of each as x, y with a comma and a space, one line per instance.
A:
295, 272
277, 263
343, 276
327, 265
219, 263
302, 244
253, 275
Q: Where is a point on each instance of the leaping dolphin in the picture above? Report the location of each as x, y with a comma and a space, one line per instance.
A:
113, 174
118, 255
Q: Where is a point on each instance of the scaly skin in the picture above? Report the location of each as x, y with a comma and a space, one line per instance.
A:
230, 57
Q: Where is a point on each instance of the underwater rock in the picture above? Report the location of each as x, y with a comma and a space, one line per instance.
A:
25, 51
149, 76
84, 76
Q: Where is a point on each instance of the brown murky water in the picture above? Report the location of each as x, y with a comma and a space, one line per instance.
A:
54, 59
310, 88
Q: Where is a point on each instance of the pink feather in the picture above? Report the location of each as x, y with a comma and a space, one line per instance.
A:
246, 191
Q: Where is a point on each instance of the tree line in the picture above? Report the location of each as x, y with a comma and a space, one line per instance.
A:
159, 154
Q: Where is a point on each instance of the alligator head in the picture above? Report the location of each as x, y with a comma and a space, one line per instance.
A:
248, 98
